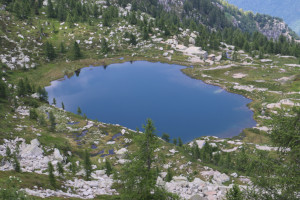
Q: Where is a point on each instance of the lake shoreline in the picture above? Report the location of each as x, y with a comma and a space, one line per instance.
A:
185, 74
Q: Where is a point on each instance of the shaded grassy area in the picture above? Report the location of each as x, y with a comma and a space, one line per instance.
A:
28, 180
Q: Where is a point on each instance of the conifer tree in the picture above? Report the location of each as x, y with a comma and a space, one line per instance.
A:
180, 143
33, 114
49, 51
79, 111
43, 94
234, 193
104, 46
54, 101
165, 137
8, 152
175, 141
108, 167
76, 51
87, 166
60, 169
3, 90
52, 121
195, 151
62, 48
51, 176
169, 175
62, 105
21, 88
50, 10
146, 34
17, 164
70, 20
137, 177
132, 39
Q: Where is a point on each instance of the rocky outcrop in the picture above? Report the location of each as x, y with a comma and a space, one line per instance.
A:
197, 189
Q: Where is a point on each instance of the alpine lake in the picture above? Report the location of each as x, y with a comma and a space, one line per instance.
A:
129, 93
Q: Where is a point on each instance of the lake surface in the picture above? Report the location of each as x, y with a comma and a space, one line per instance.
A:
129, 93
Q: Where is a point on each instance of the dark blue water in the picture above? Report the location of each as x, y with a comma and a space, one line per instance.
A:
128, 94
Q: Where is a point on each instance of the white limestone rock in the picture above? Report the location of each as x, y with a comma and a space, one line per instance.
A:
57, 156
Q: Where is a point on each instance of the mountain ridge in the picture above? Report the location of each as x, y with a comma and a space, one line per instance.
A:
289, 10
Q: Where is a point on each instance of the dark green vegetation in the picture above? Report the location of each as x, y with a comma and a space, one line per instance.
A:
138, 177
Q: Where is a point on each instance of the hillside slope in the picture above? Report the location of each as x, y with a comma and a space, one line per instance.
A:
288, 10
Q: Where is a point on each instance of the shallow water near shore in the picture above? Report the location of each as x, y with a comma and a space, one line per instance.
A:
129, 93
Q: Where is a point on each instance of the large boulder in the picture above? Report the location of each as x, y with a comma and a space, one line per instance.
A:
32, 149
160, 182
192, 41
57, 156
121, 153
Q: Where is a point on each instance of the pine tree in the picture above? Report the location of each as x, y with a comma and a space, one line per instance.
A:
8, 152
60, 169
132, 39
54, 101
108, 167
21, 88
51, 176
28, 88
41, 120
87, 166
175, 141
43, 94
52, 121
146, 34
165, 137
224, 56
79, 111
70, 20
76, 51
62, 48
104, 46
195, 151
180, 143
50, 10
137, 177
62, 105
3, 90
234, 193
95, 11
49, 51
17, 164
169, 175
33, 114
73, 168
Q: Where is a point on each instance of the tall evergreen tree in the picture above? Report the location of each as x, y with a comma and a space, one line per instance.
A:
76, 51
87, 165
50, 9
60, 169
17, 164
3, 90
51, 176
165, 137
52, 121
137, 177
49, 51
79, 111
180, 143
108, 167
104, 46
